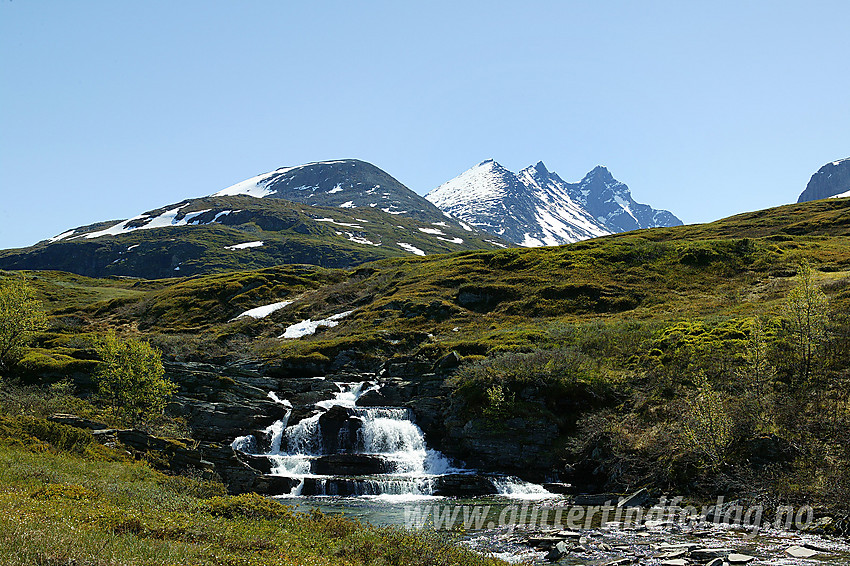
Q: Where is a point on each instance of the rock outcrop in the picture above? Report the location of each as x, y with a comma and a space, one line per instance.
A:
831, 180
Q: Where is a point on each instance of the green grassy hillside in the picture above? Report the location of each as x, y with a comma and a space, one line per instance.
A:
618, 342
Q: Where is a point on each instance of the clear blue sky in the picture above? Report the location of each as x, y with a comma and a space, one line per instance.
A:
109, 109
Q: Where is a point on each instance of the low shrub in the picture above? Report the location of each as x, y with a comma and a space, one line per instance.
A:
247, 505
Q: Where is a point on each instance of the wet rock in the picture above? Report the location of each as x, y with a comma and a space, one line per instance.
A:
373, 398
464, 485
300, 413
274, 485
739, 558
638, 499
256, 462
675, 562
800, 552
715, 562
674, 554
287, 388
709, 553
338, 428
350, 465
557, 552
543, 542
557, 487
77, 422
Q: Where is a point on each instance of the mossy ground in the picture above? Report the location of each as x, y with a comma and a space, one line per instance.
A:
67, 500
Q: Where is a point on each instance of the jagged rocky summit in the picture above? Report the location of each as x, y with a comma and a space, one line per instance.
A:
535, 207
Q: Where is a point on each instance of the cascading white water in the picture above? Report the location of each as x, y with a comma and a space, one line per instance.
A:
385, 438
516, 488
385, 432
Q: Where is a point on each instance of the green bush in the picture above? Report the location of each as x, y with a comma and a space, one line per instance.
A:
26, 431
63, 491
197, 487
249, 506
131, 379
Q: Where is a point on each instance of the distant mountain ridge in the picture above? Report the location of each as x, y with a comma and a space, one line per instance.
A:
343, 213
535, 207
831, 180
332, 214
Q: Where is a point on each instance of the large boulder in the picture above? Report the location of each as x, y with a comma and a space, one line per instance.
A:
464, 485
350, 465
338, 429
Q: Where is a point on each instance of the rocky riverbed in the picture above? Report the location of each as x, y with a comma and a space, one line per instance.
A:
660, 545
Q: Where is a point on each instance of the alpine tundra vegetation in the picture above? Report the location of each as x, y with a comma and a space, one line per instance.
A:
146, 415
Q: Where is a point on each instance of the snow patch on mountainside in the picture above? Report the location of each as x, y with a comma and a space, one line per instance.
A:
265, 310
244, 246
61, 236
253, 187
410, 248
360, 240
167, 218
332, 221
842, 195
308, 327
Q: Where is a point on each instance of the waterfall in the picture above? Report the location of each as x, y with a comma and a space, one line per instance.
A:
346, 450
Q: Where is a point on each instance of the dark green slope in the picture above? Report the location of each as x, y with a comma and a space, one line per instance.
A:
199, 235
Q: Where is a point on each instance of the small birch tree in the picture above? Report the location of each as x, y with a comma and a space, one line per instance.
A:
21, 315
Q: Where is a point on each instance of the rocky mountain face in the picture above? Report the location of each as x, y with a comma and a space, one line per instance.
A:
611, 203
345, 183
831, 180
333, 214
535, 207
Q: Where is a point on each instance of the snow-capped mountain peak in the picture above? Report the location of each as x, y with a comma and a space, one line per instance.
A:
343, 183
531, 208
536, 207
488, 181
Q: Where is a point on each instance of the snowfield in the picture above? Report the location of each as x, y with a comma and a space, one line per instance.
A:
245, 245
265, 310
410, 248
308, 327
